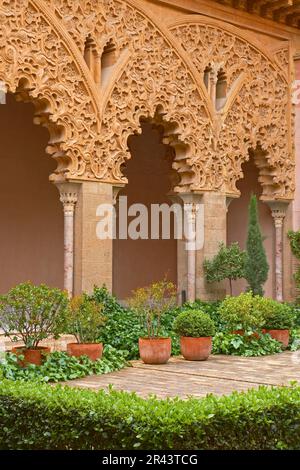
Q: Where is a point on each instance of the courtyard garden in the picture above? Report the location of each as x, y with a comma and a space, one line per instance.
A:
40, 408
35, 415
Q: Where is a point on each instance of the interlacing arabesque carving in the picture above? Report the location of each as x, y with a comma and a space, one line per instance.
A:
259, 116
155, 83
283, 58
35, 64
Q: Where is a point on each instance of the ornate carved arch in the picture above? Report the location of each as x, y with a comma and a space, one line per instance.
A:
154, 76
259, 116
159, 73
38, 65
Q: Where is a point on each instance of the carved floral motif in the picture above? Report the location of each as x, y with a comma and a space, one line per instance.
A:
35, 63
259, 115
153, 82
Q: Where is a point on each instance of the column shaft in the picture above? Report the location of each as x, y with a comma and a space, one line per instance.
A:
68, 197
278, 213
190, 209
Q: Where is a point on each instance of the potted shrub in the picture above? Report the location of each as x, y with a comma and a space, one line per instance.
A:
150, 303
278, 320
196, 330
240, 314
84, 322
32, 313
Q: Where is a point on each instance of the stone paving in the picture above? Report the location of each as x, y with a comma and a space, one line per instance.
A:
219, 375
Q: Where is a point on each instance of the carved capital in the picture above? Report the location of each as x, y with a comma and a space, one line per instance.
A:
278, 211
68, 196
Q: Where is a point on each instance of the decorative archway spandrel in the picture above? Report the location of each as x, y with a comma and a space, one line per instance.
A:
41, 57
155, 83
36, 64
259, 116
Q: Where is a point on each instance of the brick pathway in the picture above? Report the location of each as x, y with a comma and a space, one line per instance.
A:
219, 375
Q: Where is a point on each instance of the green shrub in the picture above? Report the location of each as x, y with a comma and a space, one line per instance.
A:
211, 308
296, 314
85, 319
229, 263
58, 418
277, 316
241, 313
294, 238
151, 303
194, 323
256, 264
122, 328
245, 345
59, 366
32, 313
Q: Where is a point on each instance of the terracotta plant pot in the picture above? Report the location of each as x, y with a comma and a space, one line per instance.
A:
196, 349
92, 350
31, 356
155, 350
283, 336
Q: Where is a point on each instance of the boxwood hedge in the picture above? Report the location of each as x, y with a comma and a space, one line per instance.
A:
55, 417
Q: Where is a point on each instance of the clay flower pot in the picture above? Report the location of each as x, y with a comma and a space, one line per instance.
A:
196, 349
283, 336
92, 350
31, 356
155, 350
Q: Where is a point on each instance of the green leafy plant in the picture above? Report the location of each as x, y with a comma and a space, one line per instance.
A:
256, 265
32, 313
59, 366
294, 343
295, 308
211, 308
85, 319
242, 312
229, 263
277, 316
294, 238
122, 328
40, 417
151, 303
194, 323
245, 345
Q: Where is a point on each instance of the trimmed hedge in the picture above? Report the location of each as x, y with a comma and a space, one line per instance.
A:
44, 417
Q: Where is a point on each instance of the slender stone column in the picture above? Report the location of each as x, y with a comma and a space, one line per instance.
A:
190, 211
190, 208
68, 197
278, 213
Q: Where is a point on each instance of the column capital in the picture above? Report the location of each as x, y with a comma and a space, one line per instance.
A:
116, 190
278, 210
188, 197
68, 195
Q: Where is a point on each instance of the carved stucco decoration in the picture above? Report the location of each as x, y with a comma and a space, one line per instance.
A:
258, 113
158, 76
153, 81
282, 56
37, 65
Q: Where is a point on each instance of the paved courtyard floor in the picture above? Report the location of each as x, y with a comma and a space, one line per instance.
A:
219, 375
